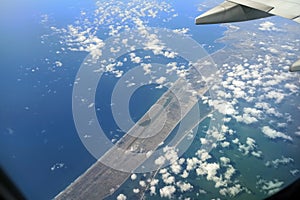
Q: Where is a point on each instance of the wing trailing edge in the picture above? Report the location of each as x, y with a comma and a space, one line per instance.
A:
231, 12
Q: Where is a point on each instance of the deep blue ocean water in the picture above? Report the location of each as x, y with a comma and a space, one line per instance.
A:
40, 148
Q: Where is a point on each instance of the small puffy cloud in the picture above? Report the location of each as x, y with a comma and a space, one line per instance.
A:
176, 168
133, 177
267, 26
246, 118
136, 190
146, 68
276, 95
121, 197
154, 182
181, 31
171, 67
225, 144
161, 80
170, 154
58, 64
168, 179
294, 172
160, 160
210, 169
292, 87
169, 54
273, 134
152, 190
270, 187
167, 191
191, 163
142, 183
279, 161
231, 191
224, 161
185, 174
134, 58
203, 155
252, 111
249, 148
184, 186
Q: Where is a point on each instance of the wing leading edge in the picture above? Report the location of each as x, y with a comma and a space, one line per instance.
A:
244, 10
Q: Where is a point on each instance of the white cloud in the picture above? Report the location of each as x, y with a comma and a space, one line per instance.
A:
167, 191
154, 182
273, 134
246, 118
142, 183
135, 59
58, 64
136, 190
181, 31
185, 174
203, 155
225, 144
267, 26
276, 95
231, 191
191, 163
133, 177
161, 80
160, 160
152, 190
184, 186
249, 148
279, 161
146, 68
294, 172
121, 197
270, 187
176, 168
168, 179
292, 87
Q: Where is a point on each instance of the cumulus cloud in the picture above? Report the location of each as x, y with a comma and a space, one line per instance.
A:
275, 95
249, 148
267, 26
269, 187
58, 64
246, 118
181, 31
121, 197
152, 190
273, 134
176, 168
146, 68
167, 191
231, 191
133, 177
136, 190
184, 186
161, 80
279, 161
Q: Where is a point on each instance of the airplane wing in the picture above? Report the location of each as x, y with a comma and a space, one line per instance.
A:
244, 10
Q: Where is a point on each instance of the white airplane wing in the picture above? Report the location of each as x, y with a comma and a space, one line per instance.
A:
244, 10
289, 9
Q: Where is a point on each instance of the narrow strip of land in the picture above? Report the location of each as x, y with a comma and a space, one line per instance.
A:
133, 149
